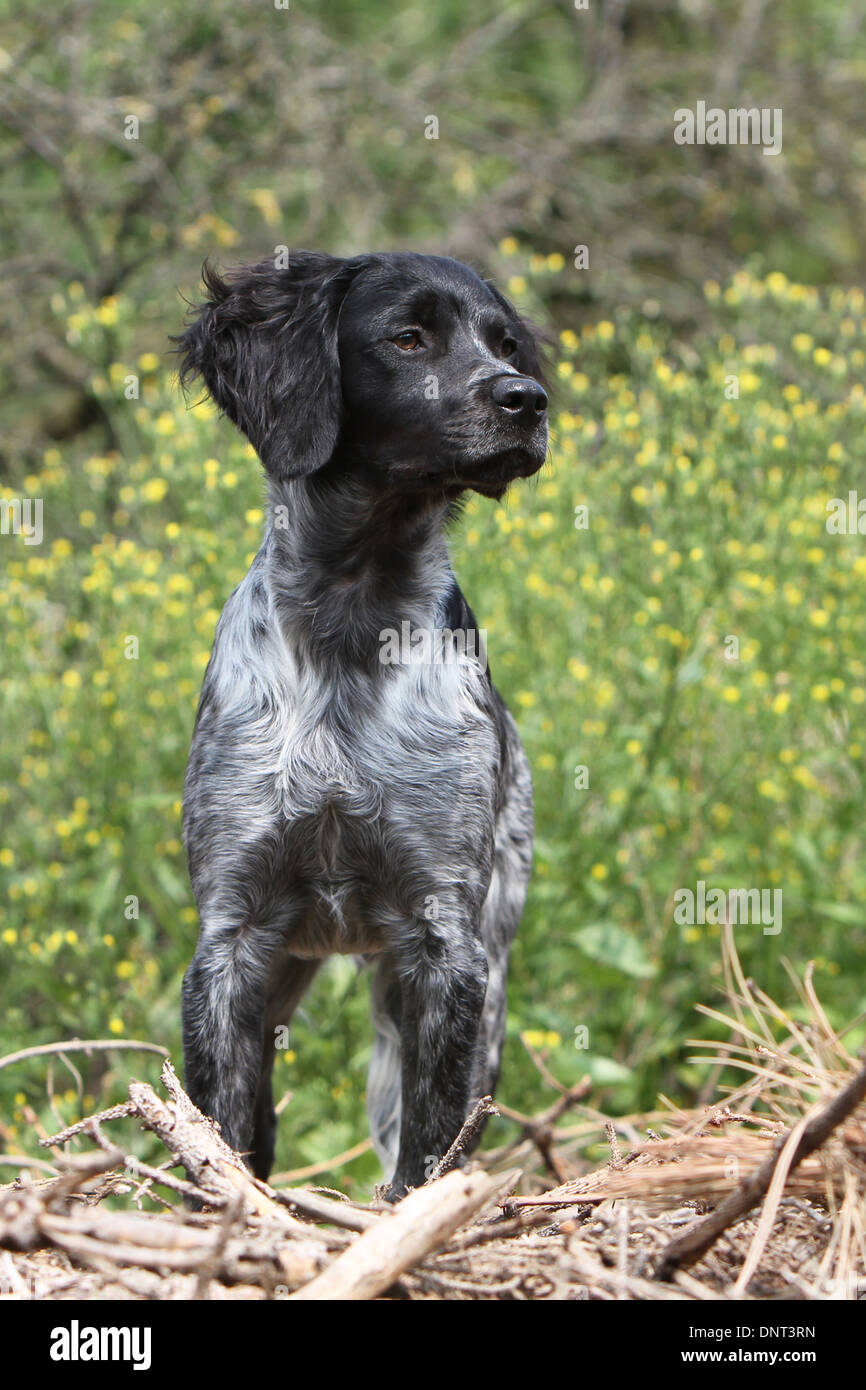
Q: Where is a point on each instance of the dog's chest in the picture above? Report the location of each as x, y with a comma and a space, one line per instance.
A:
369, 791
363, 746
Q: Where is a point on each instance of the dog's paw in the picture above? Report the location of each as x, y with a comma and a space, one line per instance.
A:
394, 1191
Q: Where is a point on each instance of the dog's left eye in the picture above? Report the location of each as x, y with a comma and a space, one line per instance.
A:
409, 340
508, 348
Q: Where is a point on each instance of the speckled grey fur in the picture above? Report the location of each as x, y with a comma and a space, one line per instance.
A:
334, 804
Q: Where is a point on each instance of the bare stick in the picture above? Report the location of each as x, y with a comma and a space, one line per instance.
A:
615, 1151
421, 1223
136, 1168
219, 1172
318, 1208
23, 1161
210, 1267
540, 1128
696, 1241
326, 1165
197, 1143
471, 1126
79, 1045
85, 1126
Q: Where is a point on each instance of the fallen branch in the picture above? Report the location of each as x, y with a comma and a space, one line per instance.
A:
697, 1240
421, 1223
326, 1165
79, 1045
23, 1161
540, 1128
210, 1267
471, 1125
197, 1143
318, 1208
86, 1126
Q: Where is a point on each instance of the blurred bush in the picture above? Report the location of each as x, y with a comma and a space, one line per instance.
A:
136, 139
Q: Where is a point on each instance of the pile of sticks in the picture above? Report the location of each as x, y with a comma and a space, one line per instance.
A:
638, 1227
295, 1243
760, 1196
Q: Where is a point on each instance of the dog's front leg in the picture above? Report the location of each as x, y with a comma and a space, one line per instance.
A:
442, 985
223, 1023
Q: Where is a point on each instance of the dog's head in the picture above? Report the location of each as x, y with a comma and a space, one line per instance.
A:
411, 367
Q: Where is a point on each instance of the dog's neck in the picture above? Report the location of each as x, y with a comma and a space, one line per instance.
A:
345, 562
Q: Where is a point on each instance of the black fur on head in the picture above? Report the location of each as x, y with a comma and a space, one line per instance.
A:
406, 367
264, 342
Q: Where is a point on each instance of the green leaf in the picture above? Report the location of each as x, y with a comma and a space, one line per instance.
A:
175, 888
604, 1071
611, 945
848, 913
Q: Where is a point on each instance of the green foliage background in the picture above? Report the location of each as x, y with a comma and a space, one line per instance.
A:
707, 511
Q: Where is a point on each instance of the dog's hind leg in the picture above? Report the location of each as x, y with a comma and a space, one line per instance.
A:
501, 913
385, 1073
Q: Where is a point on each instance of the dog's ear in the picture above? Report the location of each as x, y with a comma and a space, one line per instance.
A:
264, 342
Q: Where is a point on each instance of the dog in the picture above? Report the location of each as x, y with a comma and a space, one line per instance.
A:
336, 802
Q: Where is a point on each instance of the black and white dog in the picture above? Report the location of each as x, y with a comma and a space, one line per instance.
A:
337, 801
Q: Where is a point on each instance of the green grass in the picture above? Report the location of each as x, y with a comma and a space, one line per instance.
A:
611, 642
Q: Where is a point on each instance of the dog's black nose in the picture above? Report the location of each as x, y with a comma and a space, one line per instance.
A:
520, 396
